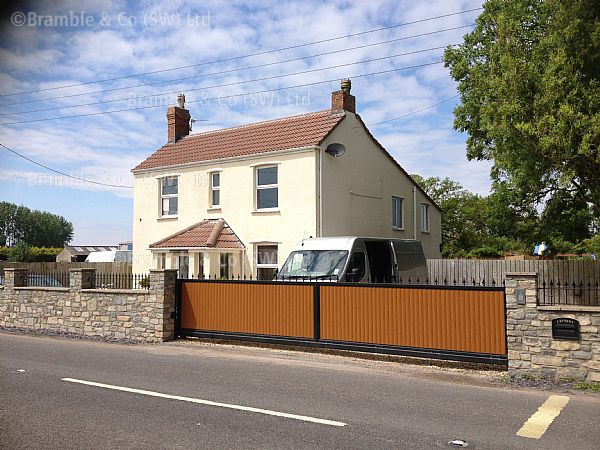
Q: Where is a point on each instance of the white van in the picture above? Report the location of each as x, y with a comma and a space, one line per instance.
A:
356, 259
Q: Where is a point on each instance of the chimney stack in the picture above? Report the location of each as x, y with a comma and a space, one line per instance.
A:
178, 120
342, 100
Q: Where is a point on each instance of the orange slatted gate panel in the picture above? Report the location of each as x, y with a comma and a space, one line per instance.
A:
465, 320
275, 310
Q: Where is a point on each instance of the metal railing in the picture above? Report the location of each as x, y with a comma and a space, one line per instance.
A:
49, 278
577, 294
408, 281
122, 281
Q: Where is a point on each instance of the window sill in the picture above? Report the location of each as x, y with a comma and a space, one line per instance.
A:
163, 218
213, 208
397, 228
267, 211
425, 231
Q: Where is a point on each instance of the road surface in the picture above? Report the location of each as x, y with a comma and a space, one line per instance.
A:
70, 394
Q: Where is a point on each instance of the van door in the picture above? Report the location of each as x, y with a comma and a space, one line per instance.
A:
357, 267
412, 264
380, 259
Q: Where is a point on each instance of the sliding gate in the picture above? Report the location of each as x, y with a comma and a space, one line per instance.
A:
445, 322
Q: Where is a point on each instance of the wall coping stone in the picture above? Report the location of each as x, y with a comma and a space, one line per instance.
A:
573, 308
116, 291
521, 274
41, 288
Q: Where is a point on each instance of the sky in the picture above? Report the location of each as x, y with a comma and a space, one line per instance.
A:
88, 58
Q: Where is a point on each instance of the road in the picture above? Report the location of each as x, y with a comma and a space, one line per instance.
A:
159, 396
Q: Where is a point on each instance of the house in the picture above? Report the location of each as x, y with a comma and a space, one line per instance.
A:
236, 201
79, 253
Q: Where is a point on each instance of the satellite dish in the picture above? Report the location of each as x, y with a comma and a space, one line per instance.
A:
335, 149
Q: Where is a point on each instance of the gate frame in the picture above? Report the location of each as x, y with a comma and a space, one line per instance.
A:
317, 342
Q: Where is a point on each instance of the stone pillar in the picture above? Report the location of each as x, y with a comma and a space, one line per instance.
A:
163, 285
15, 277
521, 309
82, 279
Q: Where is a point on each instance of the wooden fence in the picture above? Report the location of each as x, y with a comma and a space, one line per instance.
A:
574, 282
60, 267
465, 271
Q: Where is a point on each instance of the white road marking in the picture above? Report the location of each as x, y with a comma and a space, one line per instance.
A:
207, 402
539, 422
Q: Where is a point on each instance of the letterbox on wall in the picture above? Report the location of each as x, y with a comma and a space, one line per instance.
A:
565, 329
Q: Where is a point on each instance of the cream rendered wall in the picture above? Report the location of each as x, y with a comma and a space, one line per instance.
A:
358, 189
295, 219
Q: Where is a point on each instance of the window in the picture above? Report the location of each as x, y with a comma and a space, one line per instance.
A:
266, 188
424, 217
162, 261
397, 212
356, 268
183, 266
224, 265
215, 189
266, 262
168, 196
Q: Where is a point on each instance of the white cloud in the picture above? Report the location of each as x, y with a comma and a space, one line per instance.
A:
107, 146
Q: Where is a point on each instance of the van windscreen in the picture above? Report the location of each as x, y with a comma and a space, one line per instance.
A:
314, 264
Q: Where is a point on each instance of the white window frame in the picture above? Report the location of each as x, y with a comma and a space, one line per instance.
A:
164, 197
424, 217
214, 188
258, 187
271, 265
161, 261
398, 203
225, 265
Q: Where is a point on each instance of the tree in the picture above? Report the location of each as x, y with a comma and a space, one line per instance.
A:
566, 217
20, 253
36, 228
529, 82
462, 223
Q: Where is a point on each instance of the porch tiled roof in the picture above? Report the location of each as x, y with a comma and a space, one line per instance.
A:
262, 137
210, 233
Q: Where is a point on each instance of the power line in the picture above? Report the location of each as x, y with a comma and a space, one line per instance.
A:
225, 96
248, 55
62, 173
233, 70
414, 112
139, 97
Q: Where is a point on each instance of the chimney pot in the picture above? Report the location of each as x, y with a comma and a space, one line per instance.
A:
181, 100
346, 85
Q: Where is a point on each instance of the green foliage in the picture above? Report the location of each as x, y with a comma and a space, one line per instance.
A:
36, 228
529, 82
37, 254
587, 386
145, 283
475, 226
20, 253
591, 245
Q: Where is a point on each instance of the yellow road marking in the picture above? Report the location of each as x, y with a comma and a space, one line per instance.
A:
539, 422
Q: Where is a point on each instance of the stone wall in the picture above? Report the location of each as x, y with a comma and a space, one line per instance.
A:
130, 315
531, 348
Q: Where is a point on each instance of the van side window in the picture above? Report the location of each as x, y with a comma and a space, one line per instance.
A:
356, 269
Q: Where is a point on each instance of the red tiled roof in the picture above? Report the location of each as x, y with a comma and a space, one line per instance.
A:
213, 233
262, 137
